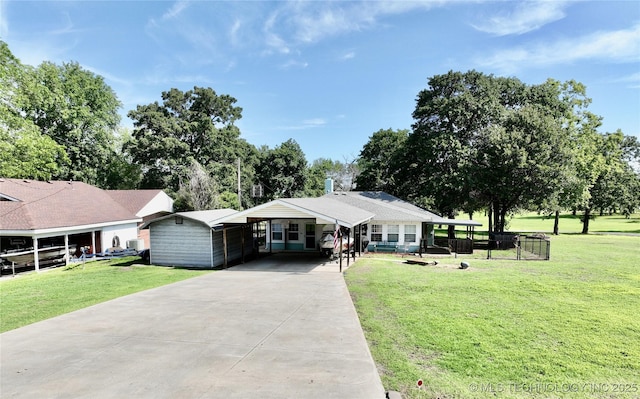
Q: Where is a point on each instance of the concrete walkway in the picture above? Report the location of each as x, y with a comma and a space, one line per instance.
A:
273, 328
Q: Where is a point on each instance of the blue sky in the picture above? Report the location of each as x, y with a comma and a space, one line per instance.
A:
330, 74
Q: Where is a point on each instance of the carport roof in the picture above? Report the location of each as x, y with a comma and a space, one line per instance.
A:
323, 210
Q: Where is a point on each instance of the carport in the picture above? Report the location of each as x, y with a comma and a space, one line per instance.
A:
295, 224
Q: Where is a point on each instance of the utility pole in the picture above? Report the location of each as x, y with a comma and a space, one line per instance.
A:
239, 186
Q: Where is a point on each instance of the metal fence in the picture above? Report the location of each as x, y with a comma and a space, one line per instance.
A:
519, 247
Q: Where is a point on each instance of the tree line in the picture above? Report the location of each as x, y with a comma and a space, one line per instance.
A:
61, 122
495, 144
478, 143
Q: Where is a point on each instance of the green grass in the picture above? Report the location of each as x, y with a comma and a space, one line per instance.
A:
488, 330
38, 296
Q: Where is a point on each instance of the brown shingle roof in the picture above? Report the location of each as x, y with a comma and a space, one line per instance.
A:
56, 204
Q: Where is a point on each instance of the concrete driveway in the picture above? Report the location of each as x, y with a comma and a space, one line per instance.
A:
279, 327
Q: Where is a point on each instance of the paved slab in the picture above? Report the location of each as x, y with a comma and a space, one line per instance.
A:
280, 327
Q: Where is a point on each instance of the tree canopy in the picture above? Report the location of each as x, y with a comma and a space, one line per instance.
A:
283, 171
379, 158
24, 151
79, 111
478, 142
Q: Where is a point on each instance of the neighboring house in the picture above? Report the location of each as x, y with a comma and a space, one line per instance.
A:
145, 204
197, 239
39, 216
397, 224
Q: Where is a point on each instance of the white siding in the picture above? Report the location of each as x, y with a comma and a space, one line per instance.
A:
186, 244
124, 232
160, 203
274, 211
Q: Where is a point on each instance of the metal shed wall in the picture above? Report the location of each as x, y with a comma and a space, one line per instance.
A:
186, 244
234, 244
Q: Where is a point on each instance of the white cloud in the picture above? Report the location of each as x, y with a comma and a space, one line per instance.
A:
234, 31
613, 46
633, 80
305, 124
273, 41
294, 64
526, 17
309, 22
175, 10
314, 122
348, 56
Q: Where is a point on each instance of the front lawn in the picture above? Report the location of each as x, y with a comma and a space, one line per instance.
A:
568, 327
37, 296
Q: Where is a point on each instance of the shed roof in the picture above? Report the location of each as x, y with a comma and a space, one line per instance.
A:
30, 205
323, 210
211, 218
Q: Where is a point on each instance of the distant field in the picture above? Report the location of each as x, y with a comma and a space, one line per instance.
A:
532, 222
565, 328
38, 296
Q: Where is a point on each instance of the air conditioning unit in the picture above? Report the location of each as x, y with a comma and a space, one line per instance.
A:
138, 245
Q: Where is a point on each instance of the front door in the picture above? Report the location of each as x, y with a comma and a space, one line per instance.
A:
310, 236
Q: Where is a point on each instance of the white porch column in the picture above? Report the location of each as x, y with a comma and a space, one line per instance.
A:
35, 254
93, 241
66, 250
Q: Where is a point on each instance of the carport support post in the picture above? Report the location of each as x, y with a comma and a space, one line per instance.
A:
340, 252
348, 247
270, 236
66, 249
35, 254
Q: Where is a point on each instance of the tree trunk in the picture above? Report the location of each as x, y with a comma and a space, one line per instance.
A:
451, 229
491, 217
555, 223
585, 221
496, 218
503, 216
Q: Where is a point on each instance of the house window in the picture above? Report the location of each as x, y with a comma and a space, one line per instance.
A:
179, 220
276, 232
410, 233
393, 232
293, 232
376, 232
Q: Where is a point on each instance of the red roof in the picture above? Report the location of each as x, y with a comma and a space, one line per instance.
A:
37, 205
